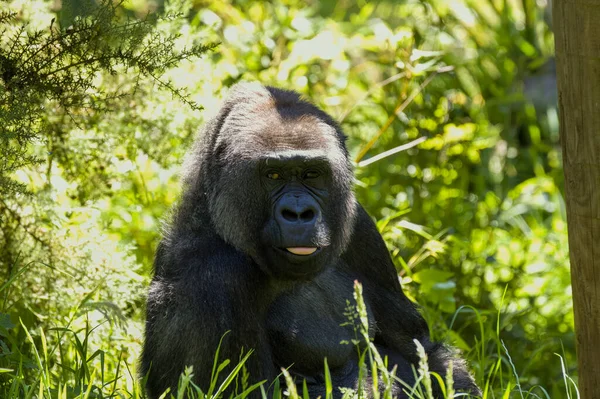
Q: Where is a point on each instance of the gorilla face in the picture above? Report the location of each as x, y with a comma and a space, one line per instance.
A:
283, 192
296, 238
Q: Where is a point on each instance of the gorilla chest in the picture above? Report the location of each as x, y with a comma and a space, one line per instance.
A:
309, 323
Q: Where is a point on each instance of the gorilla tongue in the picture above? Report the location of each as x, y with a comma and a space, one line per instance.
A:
302, 250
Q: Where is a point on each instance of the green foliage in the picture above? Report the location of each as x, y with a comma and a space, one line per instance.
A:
57, 69
451, 116
66, 139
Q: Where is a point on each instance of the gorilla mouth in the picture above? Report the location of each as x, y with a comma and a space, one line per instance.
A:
302, 251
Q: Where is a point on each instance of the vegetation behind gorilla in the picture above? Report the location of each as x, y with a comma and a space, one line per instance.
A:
473, 216
266, 242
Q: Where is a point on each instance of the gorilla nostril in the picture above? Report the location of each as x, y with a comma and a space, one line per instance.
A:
302, 216
307, 215
289, 215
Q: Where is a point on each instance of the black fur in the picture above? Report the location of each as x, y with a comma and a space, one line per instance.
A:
222, 266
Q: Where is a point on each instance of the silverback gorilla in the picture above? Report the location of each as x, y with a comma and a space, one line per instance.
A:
266, 243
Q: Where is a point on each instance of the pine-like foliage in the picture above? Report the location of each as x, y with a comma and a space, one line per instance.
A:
59, 66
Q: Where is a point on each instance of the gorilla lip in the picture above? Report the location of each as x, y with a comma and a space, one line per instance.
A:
302, 251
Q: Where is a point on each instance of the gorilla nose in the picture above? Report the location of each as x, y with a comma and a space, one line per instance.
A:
295, 209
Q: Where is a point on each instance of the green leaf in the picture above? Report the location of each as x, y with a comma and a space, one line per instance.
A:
5, 321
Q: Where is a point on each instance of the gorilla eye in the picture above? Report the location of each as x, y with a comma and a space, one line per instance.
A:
273, 175
311, 174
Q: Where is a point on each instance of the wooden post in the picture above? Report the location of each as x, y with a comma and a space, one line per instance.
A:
577, 37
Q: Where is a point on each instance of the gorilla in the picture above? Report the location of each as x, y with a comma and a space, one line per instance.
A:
266, 243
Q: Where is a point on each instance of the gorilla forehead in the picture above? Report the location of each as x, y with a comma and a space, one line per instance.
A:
255, 130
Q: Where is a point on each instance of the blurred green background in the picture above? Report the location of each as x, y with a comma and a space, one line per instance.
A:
95, 120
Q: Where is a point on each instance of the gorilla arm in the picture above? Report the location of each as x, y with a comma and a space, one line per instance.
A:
398, 319
200, 291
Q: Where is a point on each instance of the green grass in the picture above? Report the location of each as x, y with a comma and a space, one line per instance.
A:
71, 369
92, 374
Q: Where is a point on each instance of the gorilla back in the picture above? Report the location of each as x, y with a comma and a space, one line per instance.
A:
265, 243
